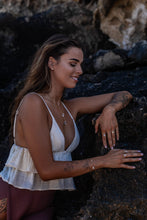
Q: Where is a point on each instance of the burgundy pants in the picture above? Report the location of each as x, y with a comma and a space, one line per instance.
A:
25, 204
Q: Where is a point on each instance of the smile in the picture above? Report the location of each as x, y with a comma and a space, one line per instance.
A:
75, 78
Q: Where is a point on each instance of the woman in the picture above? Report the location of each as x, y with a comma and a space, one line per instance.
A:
45, 133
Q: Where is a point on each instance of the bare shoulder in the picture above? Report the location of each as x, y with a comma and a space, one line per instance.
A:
32, 102
32, 97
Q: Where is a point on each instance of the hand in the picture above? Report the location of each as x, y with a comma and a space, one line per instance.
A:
117, 158
109, 127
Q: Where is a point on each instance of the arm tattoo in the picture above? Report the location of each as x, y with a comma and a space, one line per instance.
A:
122, 98
86, 165
70, 166
3, 206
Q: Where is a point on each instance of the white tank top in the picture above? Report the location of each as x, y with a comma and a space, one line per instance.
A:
19, 169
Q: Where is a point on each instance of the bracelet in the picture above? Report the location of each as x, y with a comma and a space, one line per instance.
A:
93, 167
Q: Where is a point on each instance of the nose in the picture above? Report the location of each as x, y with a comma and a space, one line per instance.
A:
79, 70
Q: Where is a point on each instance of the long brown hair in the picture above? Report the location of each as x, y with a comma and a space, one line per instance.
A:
38, 78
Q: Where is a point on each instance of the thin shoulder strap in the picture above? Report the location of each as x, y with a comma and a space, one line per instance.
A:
68, 111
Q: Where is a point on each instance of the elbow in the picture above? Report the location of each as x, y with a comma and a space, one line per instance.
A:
127, 94
46, 174
44, 177
130, 97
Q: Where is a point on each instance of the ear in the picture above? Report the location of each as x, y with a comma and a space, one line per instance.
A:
51, 63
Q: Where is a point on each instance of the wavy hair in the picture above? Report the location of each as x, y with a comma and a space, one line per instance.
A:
39, 78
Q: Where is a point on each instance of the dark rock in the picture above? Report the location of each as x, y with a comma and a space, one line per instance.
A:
119, 58
6, 18
113, 194
110, 60
139, 53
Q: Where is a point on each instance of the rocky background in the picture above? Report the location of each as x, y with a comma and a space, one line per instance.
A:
113, 34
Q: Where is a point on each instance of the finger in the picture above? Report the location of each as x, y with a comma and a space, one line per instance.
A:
104, 139
113, 137
126, 160
132, 154
128, 167
117, 133
96, 125
132, 151
109, 136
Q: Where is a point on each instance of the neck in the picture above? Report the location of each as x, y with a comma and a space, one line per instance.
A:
55, 96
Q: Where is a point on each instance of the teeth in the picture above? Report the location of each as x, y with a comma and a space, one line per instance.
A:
75, 78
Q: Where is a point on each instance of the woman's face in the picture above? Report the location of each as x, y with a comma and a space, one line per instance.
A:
66, 71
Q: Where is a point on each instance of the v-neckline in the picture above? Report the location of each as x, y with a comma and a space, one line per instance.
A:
65, 148
53, 118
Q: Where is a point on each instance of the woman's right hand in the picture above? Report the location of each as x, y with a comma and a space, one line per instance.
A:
118, 158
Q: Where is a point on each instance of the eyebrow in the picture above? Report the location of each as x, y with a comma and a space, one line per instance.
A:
74, 59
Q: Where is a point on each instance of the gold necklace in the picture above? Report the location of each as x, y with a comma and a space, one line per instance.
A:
62, 113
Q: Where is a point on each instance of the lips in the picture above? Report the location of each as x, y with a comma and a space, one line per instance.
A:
75, 78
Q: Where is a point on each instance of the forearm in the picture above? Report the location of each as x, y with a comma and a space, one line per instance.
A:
119, 101
66, 169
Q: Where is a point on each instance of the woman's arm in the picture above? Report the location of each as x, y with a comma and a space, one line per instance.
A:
87, 105
108, 121
109, 104
36, 126
114, 159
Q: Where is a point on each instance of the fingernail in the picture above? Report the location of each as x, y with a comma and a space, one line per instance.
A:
134, 167
105, 146
139, 151
142, 154
111, 148
139, 158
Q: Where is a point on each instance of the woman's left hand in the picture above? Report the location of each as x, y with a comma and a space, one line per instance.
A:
107, 121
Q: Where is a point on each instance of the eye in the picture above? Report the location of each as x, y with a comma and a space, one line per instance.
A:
73, 64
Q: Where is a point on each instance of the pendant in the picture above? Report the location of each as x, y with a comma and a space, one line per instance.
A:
64, 121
